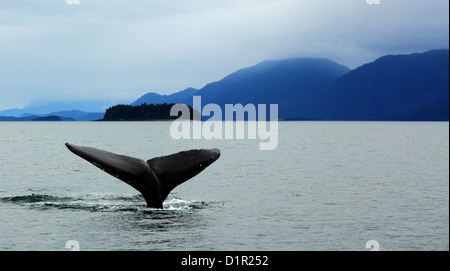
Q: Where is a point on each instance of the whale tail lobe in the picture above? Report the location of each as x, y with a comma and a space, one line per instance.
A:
157, 177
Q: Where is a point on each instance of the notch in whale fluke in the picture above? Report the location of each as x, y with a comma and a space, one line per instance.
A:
155, 178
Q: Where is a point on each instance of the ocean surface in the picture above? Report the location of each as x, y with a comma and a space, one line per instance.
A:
327, 186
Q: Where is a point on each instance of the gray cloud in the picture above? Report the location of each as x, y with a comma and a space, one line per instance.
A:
104, 49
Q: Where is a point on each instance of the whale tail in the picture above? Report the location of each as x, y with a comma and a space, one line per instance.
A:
157, 177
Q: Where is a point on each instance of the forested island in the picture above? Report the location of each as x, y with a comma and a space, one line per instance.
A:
141, 112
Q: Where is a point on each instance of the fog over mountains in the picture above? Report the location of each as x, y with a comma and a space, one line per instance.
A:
393, 87
412, 87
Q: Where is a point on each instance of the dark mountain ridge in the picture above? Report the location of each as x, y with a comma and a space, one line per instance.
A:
155, 98
290, 83
393, 87
413, 87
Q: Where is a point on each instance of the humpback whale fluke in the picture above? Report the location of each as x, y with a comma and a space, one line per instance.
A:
155, 178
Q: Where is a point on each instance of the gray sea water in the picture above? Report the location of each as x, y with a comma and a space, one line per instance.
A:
327, 186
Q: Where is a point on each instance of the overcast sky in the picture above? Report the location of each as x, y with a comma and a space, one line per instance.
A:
121, 49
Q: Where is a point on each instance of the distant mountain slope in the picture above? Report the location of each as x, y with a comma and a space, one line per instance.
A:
155, 98
15, 112
291, 83
72, 115
393, 87
45, 107
390, 88
436, 111
66, 110
36, 118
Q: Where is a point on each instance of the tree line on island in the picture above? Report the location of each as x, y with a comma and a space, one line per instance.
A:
141, 112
